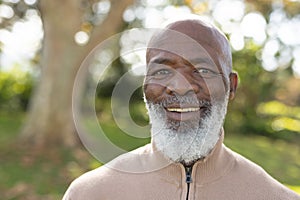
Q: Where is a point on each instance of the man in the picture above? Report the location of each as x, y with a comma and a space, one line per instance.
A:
187, 87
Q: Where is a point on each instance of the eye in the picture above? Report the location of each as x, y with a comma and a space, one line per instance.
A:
161, 73
205, 73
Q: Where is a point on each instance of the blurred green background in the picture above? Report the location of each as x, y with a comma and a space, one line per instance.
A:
40, 152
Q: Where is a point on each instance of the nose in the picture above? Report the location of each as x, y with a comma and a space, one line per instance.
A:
180, 85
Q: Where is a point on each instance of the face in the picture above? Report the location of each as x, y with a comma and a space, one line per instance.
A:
186, 92
171, 77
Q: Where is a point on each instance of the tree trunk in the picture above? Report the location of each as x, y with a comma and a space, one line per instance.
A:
50, 119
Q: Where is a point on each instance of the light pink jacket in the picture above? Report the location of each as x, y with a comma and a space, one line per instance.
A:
145, 174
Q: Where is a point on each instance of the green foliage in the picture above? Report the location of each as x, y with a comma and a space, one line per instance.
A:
283, 117
111, 77
115, 134
255, 85
256, 109
15, 89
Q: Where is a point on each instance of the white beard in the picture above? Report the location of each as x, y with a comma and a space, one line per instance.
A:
193, 140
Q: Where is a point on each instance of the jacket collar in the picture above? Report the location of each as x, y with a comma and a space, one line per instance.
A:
148, 159
215, 165
212, 167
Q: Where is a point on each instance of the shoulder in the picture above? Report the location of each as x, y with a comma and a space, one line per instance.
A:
257, 180
92, 184
83, 187
95, 182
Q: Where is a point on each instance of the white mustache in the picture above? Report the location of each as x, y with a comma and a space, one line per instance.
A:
184, 100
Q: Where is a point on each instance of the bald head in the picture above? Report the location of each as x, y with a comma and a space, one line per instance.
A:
202, 36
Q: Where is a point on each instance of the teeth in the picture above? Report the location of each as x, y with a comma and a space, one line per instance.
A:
182, 110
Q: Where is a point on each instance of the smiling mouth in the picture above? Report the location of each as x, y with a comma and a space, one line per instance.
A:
183, 114
183, 110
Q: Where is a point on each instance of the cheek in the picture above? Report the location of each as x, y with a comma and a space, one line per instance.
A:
217, 90
153, 92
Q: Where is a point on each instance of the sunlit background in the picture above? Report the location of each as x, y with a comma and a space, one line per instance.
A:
263, 123
20, 43
276, 32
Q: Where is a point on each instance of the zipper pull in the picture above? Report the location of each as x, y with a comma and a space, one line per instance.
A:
188, 173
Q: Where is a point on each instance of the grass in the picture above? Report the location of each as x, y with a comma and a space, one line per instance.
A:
10, 125
33, 174
46, 175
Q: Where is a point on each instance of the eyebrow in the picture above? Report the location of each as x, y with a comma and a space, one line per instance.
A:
192, 61
161, 61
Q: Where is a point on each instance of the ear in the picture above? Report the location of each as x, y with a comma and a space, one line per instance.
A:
233, 78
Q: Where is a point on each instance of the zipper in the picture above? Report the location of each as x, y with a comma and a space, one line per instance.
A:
188, 179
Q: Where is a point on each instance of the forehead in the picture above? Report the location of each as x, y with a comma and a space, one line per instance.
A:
177, 43
192, 40
172, 46
159, 56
